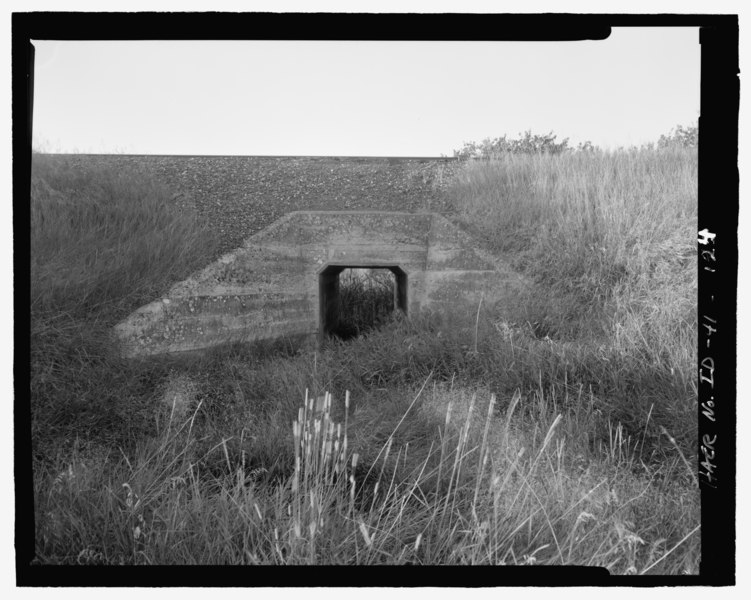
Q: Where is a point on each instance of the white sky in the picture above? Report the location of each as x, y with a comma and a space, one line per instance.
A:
359, 98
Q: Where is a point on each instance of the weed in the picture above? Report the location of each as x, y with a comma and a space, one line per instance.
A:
558, 434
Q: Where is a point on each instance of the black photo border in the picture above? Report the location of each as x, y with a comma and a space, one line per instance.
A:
717, 258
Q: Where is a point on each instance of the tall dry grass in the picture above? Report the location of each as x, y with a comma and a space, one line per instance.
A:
365, 301
609, 237
492, 488
505, 447
599, 225
103, 242
102, 237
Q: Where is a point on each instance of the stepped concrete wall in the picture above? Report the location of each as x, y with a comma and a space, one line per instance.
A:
282, 280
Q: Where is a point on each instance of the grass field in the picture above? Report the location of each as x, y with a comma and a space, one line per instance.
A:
565, 435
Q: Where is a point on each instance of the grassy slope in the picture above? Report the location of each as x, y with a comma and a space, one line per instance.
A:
609, 239
534, 440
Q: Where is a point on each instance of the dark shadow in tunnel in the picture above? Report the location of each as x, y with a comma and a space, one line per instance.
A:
355, 299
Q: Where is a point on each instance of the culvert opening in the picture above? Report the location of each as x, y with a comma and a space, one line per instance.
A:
356, 299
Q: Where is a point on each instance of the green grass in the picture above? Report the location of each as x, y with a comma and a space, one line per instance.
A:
533, 439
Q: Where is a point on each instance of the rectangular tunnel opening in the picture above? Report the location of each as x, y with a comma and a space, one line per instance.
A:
355, 299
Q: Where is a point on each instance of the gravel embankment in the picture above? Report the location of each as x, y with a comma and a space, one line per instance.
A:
240, 195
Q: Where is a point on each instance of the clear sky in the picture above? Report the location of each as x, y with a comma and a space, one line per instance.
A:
359, 98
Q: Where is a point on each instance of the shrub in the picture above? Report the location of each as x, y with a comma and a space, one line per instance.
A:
681, 136
528, 143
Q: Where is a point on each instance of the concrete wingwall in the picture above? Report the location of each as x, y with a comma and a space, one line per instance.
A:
275, 284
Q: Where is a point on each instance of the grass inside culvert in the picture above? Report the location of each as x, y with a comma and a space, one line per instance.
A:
537, 439
365, 301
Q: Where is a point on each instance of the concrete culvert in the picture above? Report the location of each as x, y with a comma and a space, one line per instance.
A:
284, 282
357, 300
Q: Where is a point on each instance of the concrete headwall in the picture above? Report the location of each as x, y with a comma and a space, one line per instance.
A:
272, 286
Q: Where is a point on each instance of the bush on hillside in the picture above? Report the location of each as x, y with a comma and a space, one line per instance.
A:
528, 143
682, 136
